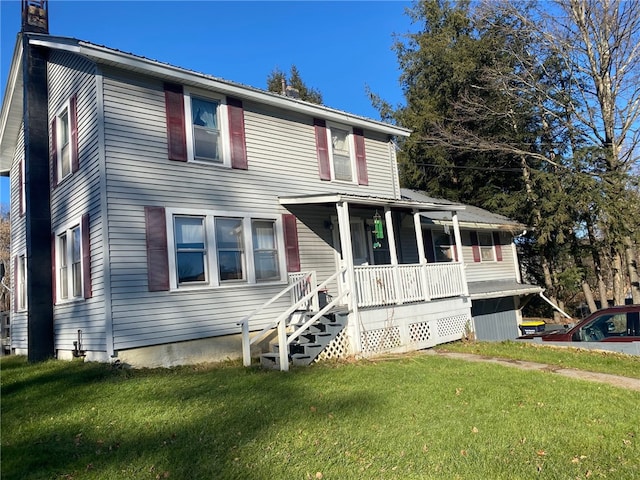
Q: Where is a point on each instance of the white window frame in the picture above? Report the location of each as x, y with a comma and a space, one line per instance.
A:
211, 255
223, 123
352, 150
20, 277
486, 247
66, 254
65, 109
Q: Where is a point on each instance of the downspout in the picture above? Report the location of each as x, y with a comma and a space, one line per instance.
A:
554, 305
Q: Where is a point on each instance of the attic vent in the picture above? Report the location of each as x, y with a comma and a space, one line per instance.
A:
35, 16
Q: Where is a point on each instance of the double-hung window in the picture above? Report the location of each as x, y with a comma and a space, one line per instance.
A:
230, 248
485, 241
205, 122
341, 154
265, 250
64, 135
21, 282
191, 249
64, 144
69, 255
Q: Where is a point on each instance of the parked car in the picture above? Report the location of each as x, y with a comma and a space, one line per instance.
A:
615, 324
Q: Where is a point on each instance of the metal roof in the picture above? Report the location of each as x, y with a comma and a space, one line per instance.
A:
333, 198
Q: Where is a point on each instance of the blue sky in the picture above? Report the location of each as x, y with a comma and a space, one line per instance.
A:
339, 47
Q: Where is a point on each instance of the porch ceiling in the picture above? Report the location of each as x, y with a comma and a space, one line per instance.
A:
333, 198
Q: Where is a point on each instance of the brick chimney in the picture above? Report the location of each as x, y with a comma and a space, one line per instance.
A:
35, 16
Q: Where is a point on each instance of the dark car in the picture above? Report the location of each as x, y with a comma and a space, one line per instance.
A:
615, 324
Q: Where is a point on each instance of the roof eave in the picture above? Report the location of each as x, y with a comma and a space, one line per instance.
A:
180, 75
333, 198
11, 114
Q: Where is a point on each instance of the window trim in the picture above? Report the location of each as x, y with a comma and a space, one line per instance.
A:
224, 128
211, 252
67, 230
330, 126
69, 107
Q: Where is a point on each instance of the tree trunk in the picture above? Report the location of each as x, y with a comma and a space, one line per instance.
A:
632, 268
588, 296
618, 278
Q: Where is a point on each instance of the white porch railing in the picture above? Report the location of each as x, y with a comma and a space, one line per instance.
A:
304, 294
378, 285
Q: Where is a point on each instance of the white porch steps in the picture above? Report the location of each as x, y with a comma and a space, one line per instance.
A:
310, 344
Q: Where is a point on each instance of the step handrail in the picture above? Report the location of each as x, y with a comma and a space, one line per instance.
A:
279, 322
315, 317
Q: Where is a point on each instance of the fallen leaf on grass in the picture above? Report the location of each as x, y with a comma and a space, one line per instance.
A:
474, 430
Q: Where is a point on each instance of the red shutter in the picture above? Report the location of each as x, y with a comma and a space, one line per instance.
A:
15, 280
176, 133
54, 154
86, 256
236, 133
497, 245
54, 277
157, 255
291, 242
475, 247
428, 246
322, 149
361, 158
73, 120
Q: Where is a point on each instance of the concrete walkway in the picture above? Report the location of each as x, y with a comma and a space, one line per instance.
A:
615, 380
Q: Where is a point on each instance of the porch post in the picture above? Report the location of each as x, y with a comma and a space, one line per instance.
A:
344, 229
417, 224
393, 253
458, 238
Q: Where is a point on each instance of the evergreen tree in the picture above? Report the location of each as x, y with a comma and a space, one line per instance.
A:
277, 82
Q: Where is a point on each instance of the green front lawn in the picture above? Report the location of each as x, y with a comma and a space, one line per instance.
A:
415, 417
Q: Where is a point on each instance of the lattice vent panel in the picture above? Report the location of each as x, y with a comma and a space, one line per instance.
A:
337, 348
380, 340
420, 332
452, 325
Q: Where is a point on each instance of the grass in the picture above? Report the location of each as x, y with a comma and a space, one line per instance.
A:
414, 417
582, 359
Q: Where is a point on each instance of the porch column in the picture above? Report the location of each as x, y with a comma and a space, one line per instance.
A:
458, 238
393, 253
344, 229
424, 275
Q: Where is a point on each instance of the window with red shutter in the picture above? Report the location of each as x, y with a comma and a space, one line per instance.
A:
322, 149
176, 134
157, 259
475, 246
497, 245
361, 157
237, 134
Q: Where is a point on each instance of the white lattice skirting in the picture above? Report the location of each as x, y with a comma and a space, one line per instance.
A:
337, 348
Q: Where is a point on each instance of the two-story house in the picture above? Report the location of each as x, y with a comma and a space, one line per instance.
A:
163, 216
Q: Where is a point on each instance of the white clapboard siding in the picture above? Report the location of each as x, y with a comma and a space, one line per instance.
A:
18, 244
485, 271
281, 153
77, 195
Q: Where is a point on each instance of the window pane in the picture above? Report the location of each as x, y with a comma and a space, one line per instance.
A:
205, 144
230, 245
486, 246
76, 274
342, 167
190, 249
443, 248
191, 267
203, 113
265, 251
22, 288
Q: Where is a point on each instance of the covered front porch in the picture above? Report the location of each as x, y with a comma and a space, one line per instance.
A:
366, 257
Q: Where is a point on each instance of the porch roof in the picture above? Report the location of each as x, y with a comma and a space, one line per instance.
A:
501, 288
333, 198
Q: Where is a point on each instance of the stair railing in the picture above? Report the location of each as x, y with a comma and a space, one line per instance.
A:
280, 322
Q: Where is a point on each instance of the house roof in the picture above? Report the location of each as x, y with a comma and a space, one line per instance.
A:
11, 114
470, 217
333, 198
501, 288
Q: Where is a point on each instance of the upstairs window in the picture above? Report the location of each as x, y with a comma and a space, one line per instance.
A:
64, 139
341, 154
205, 127
486, 246
206, 130
485, 241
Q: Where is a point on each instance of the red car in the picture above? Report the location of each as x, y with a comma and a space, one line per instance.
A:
615, 324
